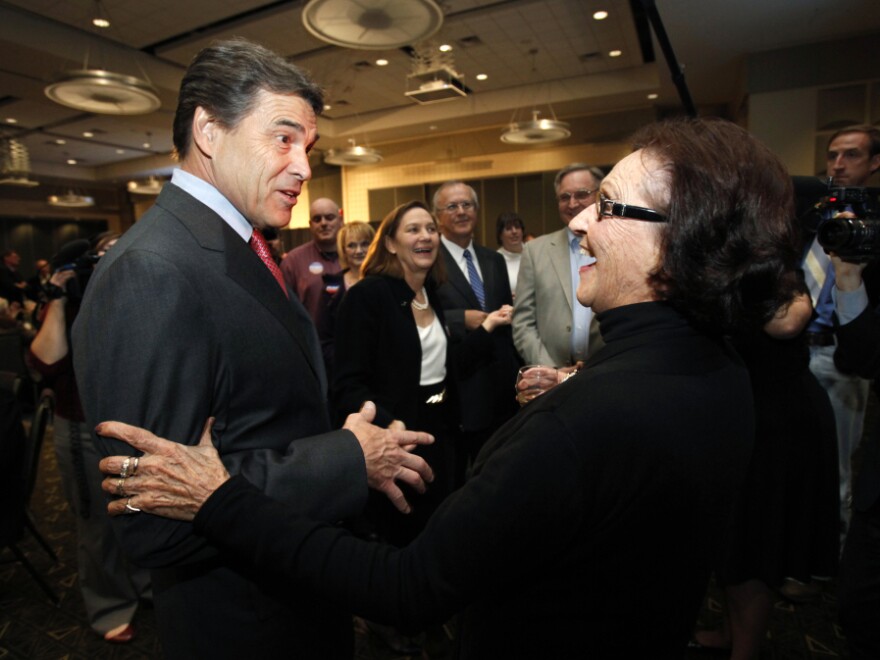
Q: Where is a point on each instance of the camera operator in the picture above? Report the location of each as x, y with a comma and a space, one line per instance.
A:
858, 336
110, 587
853, 156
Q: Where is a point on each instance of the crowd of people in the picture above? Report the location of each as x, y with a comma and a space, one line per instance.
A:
290, 439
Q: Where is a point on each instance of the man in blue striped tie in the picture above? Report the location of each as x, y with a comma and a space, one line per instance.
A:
477, 283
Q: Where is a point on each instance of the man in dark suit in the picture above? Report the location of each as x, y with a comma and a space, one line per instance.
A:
477, 283
188, 318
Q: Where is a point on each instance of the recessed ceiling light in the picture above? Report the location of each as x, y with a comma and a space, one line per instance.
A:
615, 53
327, 106
60, 141
653, 96
445, 48
101, 22
120, 151
381, 62
88, 134
11, 120
71, 161
147, 145
600, 15
482, 76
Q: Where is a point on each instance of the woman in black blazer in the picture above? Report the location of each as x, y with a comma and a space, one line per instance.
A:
392, 347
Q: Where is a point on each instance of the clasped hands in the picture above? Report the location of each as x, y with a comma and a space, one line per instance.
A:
174, 480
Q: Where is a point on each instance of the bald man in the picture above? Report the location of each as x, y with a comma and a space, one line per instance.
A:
304, 267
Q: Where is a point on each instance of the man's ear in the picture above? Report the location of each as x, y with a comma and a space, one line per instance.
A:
204, 131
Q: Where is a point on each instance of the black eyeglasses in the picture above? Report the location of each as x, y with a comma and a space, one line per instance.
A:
611, 208
329, 217
464, 206
581, 195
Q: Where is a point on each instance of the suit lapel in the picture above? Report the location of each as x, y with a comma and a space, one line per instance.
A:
457, 279
246, 269
561, 260
242, 266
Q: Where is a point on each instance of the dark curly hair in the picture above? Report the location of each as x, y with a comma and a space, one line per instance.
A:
730, 240
224, 78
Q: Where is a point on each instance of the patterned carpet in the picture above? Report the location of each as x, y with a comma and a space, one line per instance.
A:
31, 628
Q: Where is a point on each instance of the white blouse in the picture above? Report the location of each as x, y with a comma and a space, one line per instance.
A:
433, 353
512, 259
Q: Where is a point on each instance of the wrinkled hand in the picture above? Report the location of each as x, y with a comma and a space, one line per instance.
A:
387, 458
534, 380
172, 480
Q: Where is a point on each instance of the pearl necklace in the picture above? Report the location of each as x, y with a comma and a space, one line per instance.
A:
418, 306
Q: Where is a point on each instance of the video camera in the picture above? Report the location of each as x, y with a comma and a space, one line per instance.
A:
78, 257
852, 239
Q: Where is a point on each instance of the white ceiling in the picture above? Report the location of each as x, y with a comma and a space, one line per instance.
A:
533, 51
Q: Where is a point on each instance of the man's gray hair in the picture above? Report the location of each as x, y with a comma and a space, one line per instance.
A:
577, 167
448, 184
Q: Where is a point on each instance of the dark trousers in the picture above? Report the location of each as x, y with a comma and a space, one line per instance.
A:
859, 596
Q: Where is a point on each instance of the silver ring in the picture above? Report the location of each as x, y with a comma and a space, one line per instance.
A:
129, 507
120, 487
134, 466
124, 471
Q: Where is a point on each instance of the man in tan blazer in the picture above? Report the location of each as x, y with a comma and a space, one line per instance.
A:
550, 327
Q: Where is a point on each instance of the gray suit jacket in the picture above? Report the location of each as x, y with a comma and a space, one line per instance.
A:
542, 322
182, 321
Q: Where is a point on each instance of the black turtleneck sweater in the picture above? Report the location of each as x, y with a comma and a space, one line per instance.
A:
586, 528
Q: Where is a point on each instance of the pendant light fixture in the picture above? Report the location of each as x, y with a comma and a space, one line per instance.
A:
535, 130
71, 200
104, 92
372, 24
352, 155
152, 186
15, 164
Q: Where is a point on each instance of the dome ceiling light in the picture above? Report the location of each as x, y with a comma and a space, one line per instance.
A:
372, 24
152, 186
94, 89
104, 92
352, 156
536, 131
71, 200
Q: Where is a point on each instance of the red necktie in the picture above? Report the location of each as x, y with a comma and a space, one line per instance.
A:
258, 245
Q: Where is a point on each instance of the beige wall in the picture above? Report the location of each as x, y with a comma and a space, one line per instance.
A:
357, 181
799, 96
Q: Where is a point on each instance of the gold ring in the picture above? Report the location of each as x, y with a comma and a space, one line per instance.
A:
120, 487
134, 466
129, 507
124, 471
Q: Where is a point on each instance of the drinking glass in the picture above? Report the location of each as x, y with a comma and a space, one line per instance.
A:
533, 380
